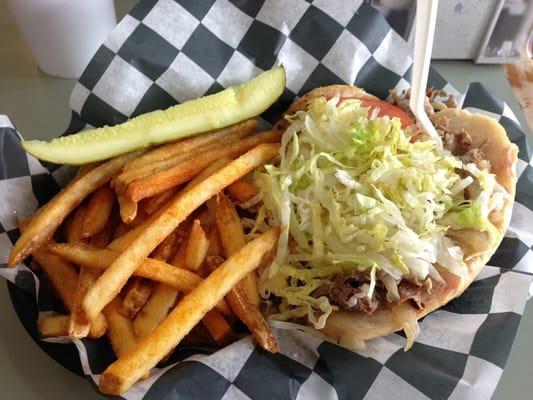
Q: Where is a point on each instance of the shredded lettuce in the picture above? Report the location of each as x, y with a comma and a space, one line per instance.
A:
351, 191
469, 217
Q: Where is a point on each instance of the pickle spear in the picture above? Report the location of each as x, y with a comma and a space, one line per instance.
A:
228, 107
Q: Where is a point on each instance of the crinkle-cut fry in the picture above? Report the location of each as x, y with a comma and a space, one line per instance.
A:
75, 227
197, 246
78, 326
98, 212
155, 310
120, 331
53, 325
136, 295
128, 208
64, 279
232, 238
183, 171
242, 191
149, 350
42, 226
218, 327
115, 277
187, 145
154, 203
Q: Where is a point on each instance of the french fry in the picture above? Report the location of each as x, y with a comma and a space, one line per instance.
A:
145, 172
61, 274
149, 350
84, 170
120, 230
154, 203
102, 238
252, 318
184, 147
197, 247
232, 238
120, 331
218, 327
64, 279
166, 248
128, 208
179, 258
163, 297
179, 261
205, 217
213, 262
242, 191
211, 206
246, 312
185, 170
136, 296
207, 172
158, 271
115, 277
79, 326
155, 310
122, 241
53, 325
75, 228
215, 245
149, 268
42, 226
98, 211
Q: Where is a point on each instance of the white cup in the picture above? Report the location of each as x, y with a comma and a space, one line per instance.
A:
63, 35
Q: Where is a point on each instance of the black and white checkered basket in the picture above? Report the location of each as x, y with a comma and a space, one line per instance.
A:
167, 51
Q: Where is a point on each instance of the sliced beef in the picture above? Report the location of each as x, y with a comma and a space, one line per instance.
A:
473, 190
458, 142
476, 156
418, 292
411, 291
436, 100
348, 291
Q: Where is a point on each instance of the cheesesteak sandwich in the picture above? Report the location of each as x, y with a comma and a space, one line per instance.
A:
380, 224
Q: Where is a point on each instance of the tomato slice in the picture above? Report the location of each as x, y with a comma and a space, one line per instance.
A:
388, 109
